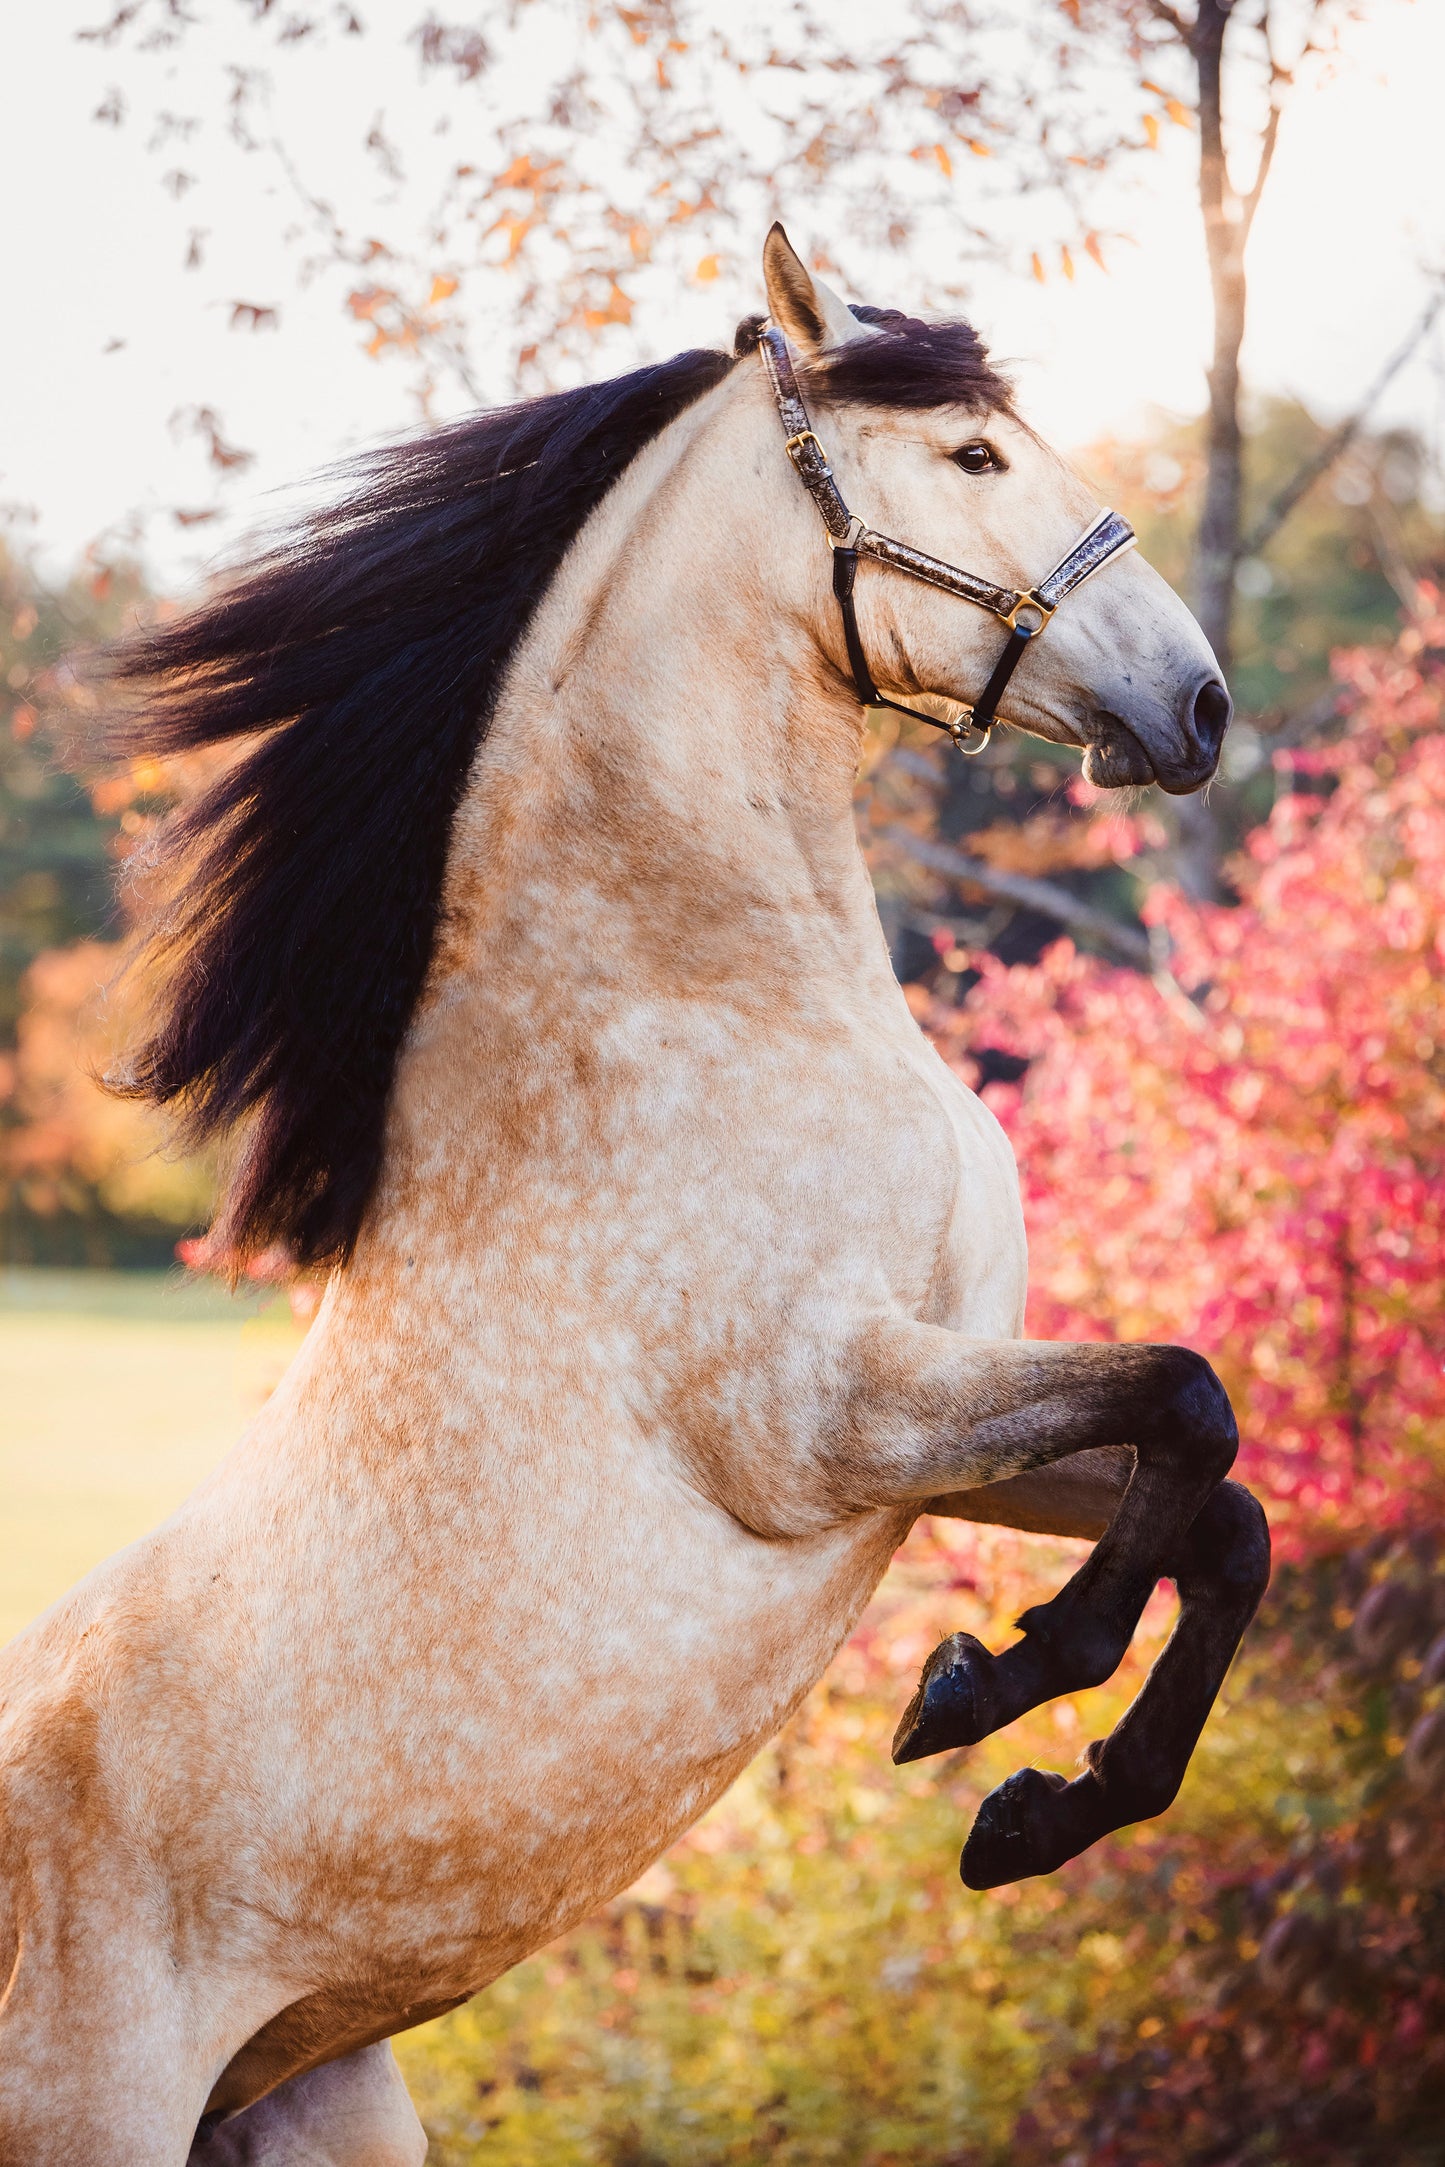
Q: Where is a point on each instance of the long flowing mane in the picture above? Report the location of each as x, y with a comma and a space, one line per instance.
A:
365, 652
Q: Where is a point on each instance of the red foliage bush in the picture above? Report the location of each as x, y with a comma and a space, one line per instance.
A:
1247, 1151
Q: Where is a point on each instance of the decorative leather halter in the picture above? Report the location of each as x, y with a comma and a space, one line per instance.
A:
1025, 614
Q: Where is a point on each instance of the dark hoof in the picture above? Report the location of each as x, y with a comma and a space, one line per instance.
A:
1031, 1824
954, 1702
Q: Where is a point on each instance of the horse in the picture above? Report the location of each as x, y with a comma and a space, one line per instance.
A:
519, 936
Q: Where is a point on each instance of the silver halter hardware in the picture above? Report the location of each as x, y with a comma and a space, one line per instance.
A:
1026, 614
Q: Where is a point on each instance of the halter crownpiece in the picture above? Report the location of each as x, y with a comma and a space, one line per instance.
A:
1025, 614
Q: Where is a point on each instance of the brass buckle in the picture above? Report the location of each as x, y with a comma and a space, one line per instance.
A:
1029, 601
795, 444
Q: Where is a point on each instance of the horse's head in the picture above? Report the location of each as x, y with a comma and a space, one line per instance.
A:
1121, 669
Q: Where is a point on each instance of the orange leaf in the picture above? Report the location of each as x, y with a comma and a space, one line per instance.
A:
442, 289
1179, 114
1036, 263
1151, 129
706, 271
617, 311
980, 150
945, 163
1066, 262
522, 173
1092, 248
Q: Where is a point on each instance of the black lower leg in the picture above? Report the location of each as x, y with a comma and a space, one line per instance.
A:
1186, 1442
1036, 1821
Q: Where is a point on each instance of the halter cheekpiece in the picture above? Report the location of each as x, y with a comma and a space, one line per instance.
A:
1025, 614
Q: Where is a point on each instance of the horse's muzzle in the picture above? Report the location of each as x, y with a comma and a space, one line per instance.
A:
1180, 758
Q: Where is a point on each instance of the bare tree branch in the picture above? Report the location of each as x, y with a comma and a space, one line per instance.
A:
1171, 15
1281, 82
1250, 203
1340, 438
1125, 942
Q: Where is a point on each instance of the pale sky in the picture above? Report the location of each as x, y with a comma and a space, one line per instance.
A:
91, 249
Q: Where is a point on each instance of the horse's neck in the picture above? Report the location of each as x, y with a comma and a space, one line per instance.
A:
667, 784
654, 869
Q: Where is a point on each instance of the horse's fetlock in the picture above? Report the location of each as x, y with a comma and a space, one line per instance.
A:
1095, 1651
1086, 1648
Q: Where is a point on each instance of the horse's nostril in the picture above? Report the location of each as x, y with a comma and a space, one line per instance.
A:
1212, 710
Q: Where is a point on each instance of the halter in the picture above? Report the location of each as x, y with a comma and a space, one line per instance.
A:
1025, 614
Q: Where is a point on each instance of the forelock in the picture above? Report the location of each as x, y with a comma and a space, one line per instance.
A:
911, 364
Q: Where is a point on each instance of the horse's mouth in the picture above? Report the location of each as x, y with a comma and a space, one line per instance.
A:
1115, 759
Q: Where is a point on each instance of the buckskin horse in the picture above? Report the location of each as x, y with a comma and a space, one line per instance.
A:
525, 944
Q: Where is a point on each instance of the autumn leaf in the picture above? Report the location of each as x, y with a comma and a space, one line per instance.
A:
1093, 248
516, 227
442, 289
945, 163
707, 270
617, 311
523, 172
1151, 129
1036, 265
1066, 261
1179, 114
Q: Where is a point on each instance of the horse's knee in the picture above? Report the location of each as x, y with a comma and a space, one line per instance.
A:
1192, 1419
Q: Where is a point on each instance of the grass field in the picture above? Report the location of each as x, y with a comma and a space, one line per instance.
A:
118, 1391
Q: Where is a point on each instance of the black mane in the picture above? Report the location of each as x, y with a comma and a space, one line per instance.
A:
366, 651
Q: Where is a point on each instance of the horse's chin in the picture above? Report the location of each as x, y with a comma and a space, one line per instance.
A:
1116, 759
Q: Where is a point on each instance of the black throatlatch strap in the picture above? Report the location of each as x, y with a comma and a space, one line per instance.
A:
1025, 614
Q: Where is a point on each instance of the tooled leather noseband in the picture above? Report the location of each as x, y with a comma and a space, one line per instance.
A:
1025, 614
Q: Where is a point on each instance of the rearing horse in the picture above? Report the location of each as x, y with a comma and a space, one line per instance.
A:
527, 944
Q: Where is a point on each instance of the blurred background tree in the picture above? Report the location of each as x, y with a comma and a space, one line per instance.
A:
83, 1179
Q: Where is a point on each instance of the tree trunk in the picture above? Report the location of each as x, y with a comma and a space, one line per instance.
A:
1217, 543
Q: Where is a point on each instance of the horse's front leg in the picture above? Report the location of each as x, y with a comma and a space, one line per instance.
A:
1015, 1414
1135, 1773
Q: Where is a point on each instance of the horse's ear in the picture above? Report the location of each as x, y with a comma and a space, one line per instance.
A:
806, 311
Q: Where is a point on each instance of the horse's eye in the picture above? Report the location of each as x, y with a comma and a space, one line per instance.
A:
978, 459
